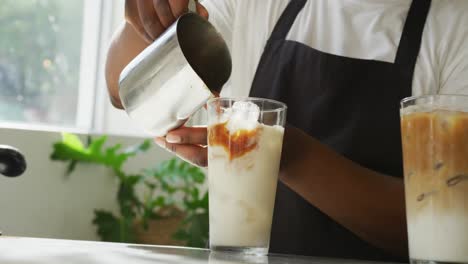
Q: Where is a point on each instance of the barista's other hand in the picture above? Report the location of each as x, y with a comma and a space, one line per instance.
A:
189, 143
150, 18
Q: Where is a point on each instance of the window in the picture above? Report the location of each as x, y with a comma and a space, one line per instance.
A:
40, 60
52, 55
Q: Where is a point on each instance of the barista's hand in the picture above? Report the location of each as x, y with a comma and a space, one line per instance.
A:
150, 18
189, 143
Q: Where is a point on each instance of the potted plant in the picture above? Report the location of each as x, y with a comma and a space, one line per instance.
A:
170, 207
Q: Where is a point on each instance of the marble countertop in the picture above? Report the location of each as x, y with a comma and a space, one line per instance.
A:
15, 250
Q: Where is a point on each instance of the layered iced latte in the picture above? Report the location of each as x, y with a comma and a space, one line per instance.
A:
435, 149
244, 149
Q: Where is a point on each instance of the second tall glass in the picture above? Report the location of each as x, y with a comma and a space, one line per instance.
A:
435, 151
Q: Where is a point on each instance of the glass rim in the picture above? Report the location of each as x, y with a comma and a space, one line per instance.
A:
406, 100
281, 106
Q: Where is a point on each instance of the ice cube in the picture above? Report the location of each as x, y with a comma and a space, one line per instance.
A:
243, 115
247, 111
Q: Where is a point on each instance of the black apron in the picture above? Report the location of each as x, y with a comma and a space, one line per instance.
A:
351, 105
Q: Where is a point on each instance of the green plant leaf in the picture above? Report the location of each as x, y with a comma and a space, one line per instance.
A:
181, 235
113, 150
113, 158
168, 187
128, 201
184, 167
204, 202
95, 147
158, 202
133, 179
63, 152
151, 186
72, 141
71, 167
194, 230
171, 165
195, 192
89, 139
127, 230
71, 148
127, 210
198, 204
140, 148
108, 226
198, 177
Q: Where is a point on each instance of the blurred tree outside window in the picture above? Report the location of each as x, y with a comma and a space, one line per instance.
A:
40, 46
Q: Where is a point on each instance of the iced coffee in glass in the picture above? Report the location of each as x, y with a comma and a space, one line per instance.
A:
245, 138
435, 150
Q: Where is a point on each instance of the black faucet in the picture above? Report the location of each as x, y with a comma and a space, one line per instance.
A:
12, 162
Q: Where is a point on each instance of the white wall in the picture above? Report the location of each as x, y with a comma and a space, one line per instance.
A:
42, 203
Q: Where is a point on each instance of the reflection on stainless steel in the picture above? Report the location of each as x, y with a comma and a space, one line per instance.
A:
49, 251
168, 81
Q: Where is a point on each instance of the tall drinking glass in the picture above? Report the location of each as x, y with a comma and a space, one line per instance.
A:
435, 150
245, 137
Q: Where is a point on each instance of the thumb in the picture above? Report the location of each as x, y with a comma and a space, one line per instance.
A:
201, 10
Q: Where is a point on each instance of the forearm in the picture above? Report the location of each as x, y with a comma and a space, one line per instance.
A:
126, 44
369, 204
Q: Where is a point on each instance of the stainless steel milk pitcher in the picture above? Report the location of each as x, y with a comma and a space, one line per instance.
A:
176, 75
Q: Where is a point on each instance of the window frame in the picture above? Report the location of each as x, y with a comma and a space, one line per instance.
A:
89, 59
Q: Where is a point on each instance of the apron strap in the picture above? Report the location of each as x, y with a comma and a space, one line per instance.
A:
287, 19
410, 42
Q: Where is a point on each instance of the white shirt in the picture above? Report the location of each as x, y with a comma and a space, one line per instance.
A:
363, 29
